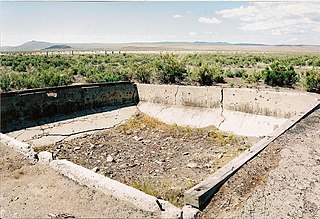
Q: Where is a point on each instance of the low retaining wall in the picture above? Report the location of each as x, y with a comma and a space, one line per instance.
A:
248, 112
268, 102
38, 103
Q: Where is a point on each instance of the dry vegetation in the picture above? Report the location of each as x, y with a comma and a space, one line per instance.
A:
159, 159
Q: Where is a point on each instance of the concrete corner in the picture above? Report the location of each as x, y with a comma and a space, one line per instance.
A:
189, 212
45, 157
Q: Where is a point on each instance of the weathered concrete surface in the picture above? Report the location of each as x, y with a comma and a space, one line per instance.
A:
237, 122
37, 191
208, 97
111, 187
182, 115
249, 124
248, 112
19, 106
49, 133
268, 102
281, 182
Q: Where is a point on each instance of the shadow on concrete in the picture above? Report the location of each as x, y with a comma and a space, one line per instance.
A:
26, 123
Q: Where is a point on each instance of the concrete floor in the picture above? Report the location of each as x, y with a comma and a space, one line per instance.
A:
65, 129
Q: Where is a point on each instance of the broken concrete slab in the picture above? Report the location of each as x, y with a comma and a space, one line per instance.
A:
189, 212
45, 157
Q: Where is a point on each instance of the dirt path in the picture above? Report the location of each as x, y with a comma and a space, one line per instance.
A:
283, 181
36, 191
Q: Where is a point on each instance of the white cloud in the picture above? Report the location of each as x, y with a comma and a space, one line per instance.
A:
278, 18
192, 33
212, 20
207, 32
177, 16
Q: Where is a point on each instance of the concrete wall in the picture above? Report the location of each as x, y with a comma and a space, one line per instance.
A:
180, 95
248, 112
37, 103
281, 104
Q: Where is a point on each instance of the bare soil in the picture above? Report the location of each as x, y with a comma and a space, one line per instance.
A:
36, 191
159, 159
282, 181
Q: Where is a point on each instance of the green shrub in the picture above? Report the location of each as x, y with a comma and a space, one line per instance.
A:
229, 73
170, 69
279, 75
207, 75
313, 80
239, 73
254, 78
144, 73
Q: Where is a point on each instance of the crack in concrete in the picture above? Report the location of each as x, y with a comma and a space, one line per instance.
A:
160, 111
75, 133
24, 130
175, 96
222, 109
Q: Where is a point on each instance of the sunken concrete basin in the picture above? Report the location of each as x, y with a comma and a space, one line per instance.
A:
45, 116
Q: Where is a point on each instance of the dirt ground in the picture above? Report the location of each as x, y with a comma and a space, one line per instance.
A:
283, 181
36, 191
161, 160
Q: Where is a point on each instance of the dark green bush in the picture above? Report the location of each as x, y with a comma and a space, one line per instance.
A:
229, 73
313, 80
207, 75
144, 74
279, 75
170, 69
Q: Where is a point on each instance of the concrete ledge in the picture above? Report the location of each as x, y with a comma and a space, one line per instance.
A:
201, 194
94, 180
126, 193
19, 146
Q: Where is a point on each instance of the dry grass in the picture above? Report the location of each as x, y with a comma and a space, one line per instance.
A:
249, 108
142, 121
163, 189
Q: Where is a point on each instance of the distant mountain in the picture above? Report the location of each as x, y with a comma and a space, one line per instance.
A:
58, 47
28, 46
143, 46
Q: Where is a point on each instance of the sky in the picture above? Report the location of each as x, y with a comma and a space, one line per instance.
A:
121, 22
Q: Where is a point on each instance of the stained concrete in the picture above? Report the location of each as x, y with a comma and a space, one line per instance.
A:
48, 133
248, 112
237, 122
20, 108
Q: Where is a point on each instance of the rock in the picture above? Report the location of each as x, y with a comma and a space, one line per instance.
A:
192, 165
220, 156
189, 212
137, 138
185, 153
146, 141
207, 165
110, 159
45, 157
95, 169
76, 148
159, 162
122, 166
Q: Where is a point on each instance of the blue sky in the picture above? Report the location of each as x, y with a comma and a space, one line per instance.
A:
116, 22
